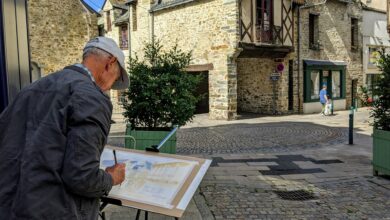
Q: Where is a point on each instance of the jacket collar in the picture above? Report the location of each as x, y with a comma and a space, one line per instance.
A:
86, 74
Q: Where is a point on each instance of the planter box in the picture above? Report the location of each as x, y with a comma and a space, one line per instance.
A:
381, 152
145, 138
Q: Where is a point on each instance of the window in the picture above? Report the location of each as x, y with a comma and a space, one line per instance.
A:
264, 21
374, 54
372, 85
314, 40
123, 37
101, 30
108, 15
134, 17
336, 84
354, 33
315, 84
315, 76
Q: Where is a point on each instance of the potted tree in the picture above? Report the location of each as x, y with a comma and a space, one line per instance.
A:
161, 95
381, 123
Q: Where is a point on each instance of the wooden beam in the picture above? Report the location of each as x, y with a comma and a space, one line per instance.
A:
200, 67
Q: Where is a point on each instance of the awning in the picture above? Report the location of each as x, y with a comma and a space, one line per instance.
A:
94, 5
324, 63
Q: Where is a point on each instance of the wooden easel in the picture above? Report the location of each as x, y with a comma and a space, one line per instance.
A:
105, 201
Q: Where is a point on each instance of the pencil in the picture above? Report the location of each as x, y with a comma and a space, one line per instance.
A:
116, 162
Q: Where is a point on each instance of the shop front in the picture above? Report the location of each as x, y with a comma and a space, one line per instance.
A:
323, 72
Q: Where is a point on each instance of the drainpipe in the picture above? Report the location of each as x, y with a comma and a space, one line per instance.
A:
129, 33
299, 47
129, 27
152, 25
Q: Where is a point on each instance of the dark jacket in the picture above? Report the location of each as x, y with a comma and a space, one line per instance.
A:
51, 139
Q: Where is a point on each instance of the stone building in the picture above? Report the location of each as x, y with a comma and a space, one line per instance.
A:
375, 39
331, 52
242, 46
58, 31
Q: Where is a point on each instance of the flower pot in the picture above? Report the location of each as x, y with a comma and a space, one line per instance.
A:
146, 138
381, 152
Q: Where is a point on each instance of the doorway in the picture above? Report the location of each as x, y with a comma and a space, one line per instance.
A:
203, 89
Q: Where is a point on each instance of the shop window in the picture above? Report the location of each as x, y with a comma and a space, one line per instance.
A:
317, 76
315, 84
336, 84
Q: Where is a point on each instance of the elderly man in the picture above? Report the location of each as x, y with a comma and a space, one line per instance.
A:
52, 136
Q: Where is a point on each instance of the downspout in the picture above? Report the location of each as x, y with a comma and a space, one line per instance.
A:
129, 33
299, 48
152, 25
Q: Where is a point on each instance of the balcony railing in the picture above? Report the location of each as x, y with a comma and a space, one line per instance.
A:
267, 34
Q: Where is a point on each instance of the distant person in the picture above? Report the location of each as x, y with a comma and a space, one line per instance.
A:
52, 136
328, 106
323, 98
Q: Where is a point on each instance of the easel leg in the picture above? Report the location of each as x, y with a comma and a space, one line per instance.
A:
103, 215
138, 213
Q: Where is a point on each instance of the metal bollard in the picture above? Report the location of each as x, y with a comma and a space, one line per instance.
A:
331, 110
351, 114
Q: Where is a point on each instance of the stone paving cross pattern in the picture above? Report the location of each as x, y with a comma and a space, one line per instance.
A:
285, 164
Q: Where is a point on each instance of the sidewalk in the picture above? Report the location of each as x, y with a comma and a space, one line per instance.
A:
282, 167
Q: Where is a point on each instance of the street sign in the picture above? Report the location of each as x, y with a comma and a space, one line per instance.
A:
274, 78
275, 74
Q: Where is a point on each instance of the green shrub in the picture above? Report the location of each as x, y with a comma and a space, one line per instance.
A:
381, 106
365, 99
161, 93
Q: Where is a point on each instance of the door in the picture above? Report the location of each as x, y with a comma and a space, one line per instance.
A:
203, 89
327, 80
354, 93
290, 85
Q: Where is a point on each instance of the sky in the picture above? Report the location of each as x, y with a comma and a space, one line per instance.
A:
95, 5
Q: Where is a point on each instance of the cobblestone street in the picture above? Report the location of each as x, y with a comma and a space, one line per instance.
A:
285, 167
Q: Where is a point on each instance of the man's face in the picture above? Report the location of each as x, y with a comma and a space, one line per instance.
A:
111, 73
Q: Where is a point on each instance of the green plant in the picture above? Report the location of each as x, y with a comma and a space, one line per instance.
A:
381, 106
365, 99
161, 93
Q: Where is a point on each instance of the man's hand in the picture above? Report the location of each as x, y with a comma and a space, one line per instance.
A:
117, 173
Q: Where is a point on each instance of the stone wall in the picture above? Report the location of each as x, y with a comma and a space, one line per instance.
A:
335, 37
58, 32
208, 28
255, 92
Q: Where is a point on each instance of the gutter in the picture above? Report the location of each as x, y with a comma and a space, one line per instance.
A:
299, 48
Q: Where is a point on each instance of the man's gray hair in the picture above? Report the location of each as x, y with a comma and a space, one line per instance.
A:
95, 51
